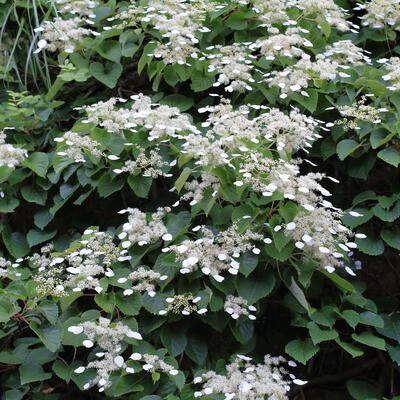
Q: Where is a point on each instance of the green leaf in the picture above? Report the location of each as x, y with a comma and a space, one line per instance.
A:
394, 352
107, 186
298, 293
140, 185
49, 311
8, 204
16, 243
369, 339
351, 317
178, 100
170, 76
38, 163
319, 335
13, 394
33, 195
387, 215
390, 155
370, 318
197, 349
256, 286
236, 21
282, 255
339, 281
353, 222
50, 335
174, 340
177, 223
110, 49
105, 301
42, 218
35, 237
301, 350
310, 102
350, 348
154, 304
248, 263
129, 305
346, 147
63, 370
123, 385
371, 245
32, 372
201, 82
183, 177
391, 327
243, 331
362, 390
7, 310
324, 25
108, 75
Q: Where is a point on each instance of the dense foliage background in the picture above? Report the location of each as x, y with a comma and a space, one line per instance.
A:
193, 117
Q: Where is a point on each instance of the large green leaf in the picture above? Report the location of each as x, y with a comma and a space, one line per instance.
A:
35, 237
107, 186
110, 49
32, 372
178, 100
38, 162
319, 335
256, 286
346, 147
140, 185
174, 340
50, 335
108, 75
301, 350
369, 339
362, 390
390, 155
16, 243
391, 328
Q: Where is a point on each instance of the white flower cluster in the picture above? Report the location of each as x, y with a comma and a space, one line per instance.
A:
334, 15
345, 52
4, 267
152, 164
393, 66
333, 61
360, 111
380, 13
247, 381
139, 230
286, 44
153, 363
321, 235
62, 35
214, 254
10, 156
108, 336
195, 189
78, 145
230, 129
146, 277
81, 7
271, 11
177, 21
233, 66
80, 268
237, 306
159, 120
184, 304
